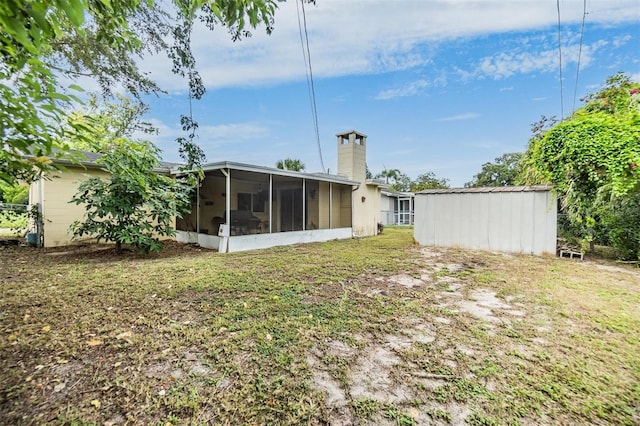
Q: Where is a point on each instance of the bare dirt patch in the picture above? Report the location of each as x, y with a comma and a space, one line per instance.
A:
365, 331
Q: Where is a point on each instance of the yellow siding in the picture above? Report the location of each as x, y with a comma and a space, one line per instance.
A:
58, 214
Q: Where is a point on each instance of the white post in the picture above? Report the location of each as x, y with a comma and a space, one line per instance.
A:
330, 205
270, 203
197, 207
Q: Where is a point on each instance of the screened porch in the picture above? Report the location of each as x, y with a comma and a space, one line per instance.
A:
241, 207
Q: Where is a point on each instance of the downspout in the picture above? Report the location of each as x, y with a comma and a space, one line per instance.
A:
353, 210
40, 215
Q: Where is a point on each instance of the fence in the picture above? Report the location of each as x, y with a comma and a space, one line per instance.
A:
19, 208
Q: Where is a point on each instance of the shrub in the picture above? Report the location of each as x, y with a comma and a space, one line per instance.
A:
624, 227
13, 220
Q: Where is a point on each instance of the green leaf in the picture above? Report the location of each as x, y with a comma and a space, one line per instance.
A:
76, 88
74, 9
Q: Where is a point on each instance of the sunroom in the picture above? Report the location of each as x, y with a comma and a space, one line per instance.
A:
240, 207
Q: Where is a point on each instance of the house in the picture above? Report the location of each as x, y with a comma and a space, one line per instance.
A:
53, 194
396, 207
241, 206
512, 219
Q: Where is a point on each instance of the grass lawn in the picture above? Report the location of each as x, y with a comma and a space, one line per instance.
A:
371, 331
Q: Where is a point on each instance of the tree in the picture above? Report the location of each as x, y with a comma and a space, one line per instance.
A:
401, 182
529, 174
41, 40
135, 205
592, 158
396, 180
428, 181
503, 172
387, 174
291, 164
14, 194
98, 125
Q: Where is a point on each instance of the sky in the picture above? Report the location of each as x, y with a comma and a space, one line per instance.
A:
437, 86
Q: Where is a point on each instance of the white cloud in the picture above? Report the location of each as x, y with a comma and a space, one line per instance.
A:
222, 138
376, 36
507, 64
621, 41
411, 89
233, 132
459, 117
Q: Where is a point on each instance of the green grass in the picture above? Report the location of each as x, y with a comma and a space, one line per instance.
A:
194, 337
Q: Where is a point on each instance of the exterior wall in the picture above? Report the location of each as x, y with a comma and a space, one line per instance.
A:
54, 195
340, 206
57, 213
323, 200
387, 210
262, 241
515, 222
366, 210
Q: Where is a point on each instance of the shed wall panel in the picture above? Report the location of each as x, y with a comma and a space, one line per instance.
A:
507, 221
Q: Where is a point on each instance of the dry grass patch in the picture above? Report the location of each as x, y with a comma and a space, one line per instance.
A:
364, 331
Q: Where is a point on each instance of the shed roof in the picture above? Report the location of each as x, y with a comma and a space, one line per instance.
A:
487, 189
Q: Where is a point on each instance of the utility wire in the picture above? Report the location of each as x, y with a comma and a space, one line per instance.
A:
560, 59
306, 54
584, 17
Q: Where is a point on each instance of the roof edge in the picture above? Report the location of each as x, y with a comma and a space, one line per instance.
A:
488, 189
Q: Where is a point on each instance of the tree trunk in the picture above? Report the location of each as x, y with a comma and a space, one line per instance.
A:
118, 247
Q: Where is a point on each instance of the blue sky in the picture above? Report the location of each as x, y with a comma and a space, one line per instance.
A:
441, 86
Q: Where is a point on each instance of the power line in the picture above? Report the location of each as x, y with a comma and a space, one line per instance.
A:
584, 17
560, 59
309, 71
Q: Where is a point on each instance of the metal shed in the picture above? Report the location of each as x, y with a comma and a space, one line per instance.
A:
513, 219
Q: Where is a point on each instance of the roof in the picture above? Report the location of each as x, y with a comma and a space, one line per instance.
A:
88, 159
76, 157
487, 189
392, 193
377, 182
325, 177
348, 132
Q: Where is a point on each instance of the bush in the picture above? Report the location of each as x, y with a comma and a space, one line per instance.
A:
13, 219
14, 194
135, 205
624, 227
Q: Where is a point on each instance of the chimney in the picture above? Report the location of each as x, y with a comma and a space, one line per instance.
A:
352, 155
